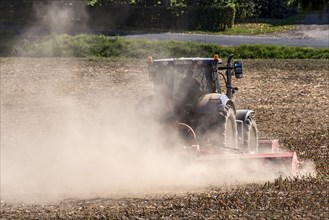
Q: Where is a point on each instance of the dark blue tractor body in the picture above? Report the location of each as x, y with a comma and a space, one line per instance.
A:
195, 94
189, 91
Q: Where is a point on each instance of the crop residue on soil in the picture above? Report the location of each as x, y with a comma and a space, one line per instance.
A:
68, 128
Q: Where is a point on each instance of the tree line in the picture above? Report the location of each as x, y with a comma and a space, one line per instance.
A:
253, 8
209, 15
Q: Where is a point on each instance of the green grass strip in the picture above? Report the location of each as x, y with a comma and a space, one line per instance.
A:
119, 47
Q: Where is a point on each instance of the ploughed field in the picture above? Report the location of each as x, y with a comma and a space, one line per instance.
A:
290, 98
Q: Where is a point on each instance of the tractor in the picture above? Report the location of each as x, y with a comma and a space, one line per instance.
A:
196, 94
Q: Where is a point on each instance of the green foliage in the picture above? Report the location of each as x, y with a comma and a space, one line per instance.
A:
265, 9
311, 4
256, 29
92, 2
214, 3
174, 18
107, 2
246, 9
105, 46
211, 18
206, 15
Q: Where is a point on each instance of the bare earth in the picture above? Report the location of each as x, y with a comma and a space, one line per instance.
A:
59, 115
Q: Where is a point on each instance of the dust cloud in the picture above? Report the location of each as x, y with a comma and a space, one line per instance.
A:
69, 129
55, 17
83, 151
64, 136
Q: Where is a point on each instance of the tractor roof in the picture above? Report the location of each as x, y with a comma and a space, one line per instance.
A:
186, 61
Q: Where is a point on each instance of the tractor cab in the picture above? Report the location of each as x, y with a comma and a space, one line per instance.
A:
184, 80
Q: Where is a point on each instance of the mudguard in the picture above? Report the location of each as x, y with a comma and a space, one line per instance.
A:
243, 114
213, 103
241, 117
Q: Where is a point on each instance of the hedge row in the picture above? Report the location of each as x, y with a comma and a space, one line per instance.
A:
31, 12
190, 18
104, 46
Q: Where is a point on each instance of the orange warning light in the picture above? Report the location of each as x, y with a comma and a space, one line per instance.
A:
149, 60
216, 57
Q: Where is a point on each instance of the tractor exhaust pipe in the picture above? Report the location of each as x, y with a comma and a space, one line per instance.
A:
229, 77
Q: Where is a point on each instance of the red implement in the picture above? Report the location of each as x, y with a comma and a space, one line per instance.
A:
269, 155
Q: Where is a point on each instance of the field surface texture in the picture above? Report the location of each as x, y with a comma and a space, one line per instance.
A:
59, 117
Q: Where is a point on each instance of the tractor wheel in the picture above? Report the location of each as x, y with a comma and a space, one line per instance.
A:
250, 136
218, 130
228, 129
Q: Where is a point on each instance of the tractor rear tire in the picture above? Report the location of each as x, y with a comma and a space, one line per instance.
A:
228, 129
250, 136
219, 130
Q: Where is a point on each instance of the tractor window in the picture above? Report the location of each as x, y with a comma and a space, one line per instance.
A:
180, 80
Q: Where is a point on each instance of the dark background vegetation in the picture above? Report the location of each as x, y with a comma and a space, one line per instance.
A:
96, 16
209, 15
